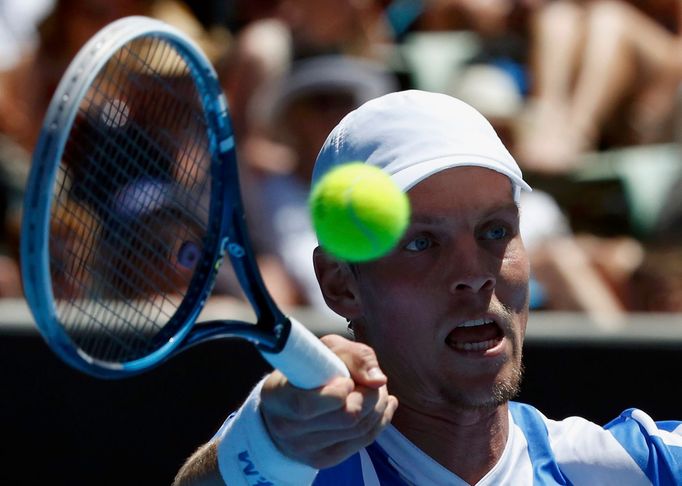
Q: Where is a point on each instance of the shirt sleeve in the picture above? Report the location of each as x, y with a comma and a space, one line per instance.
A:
247, 456
656, 447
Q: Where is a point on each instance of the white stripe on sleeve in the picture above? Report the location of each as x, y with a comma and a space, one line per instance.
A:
588, 454
669, 438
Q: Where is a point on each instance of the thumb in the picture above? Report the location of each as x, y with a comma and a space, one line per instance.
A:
360, 359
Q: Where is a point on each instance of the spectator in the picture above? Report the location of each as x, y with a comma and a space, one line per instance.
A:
597, 65
300, 111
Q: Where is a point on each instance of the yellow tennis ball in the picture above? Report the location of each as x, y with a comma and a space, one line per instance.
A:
358, 212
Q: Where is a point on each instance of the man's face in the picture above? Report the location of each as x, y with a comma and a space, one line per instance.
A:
446, 311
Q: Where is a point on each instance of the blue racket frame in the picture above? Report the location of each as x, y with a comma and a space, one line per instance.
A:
226, 235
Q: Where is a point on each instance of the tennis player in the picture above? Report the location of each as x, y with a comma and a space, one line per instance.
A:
439, 326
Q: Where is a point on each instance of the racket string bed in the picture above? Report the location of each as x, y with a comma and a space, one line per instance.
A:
198, 137
116, 219
123, 326
132, 202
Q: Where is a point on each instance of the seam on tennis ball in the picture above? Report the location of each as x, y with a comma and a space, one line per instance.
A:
371, 238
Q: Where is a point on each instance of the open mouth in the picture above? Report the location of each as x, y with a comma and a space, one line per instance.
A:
476, 335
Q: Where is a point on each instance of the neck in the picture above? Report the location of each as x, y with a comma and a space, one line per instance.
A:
467, 442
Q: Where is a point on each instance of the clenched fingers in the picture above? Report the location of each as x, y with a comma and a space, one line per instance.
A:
345, 435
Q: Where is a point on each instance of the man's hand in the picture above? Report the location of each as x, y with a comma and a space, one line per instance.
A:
324, 426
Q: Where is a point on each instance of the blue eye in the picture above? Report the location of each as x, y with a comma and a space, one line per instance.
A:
496, 233
419, 243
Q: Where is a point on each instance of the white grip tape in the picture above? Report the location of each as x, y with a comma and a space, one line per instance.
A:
305, 360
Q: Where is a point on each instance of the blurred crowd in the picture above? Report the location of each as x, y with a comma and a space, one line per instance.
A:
586, 94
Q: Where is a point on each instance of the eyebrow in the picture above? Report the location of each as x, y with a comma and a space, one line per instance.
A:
513, 207
430, 219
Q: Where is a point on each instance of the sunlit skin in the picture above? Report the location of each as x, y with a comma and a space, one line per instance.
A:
461, 259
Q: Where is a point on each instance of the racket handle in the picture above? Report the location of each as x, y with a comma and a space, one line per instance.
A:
305, 360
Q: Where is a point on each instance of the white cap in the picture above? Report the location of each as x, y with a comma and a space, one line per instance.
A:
414, 134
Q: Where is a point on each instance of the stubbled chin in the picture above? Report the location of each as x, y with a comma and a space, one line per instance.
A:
479, 395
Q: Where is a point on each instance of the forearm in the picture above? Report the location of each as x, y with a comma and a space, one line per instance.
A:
243, 454
306, 430
201, 469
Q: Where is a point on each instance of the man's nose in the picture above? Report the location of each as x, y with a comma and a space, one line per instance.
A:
470, 270
473, 283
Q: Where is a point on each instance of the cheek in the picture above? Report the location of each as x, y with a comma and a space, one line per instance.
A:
393, 313
399, 343
514, 276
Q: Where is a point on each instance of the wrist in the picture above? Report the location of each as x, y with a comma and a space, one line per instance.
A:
245, 449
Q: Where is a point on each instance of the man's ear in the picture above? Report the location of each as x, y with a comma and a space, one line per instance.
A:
338, 285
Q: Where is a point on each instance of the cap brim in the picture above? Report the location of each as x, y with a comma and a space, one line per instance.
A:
408, 177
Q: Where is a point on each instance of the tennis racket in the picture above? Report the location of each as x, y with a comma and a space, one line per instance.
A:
132, 204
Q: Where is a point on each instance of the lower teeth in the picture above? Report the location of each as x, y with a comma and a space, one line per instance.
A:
480, 346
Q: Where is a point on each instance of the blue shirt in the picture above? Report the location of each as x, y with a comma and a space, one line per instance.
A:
631, 450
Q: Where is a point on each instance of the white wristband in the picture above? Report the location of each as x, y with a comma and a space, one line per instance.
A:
247, 455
